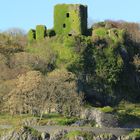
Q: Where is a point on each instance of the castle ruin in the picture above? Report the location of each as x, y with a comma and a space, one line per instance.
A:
69, 20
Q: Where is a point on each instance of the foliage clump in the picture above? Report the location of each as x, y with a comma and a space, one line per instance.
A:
107, 109
51, 33
135, 134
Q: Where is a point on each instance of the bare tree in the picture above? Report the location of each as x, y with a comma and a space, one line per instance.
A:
36, 94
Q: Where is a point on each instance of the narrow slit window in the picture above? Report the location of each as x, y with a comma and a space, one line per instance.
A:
67, 15
64, 25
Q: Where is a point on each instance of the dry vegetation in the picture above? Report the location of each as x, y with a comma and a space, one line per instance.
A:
52, 75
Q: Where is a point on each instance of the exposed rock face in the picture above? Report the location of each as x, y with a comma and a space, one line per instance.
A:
30, 134
23, 134
102, 119
80, 123
114, 138
58, 135
104, 137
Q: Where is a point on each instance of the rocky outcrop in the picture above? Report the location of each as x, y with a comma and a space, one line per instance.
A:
58, 135
27, 133
102, 119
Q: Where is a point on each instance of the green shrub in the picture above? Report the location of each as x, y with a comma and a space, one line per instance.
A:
65, 51
31, 35
50, 33
116, 35
101, 32
107, 109
44, 52
66, 121
40, 32
73, 134
135, 134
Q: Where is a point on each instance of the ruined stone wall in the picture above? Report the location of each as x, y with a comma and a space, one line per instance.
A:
31, 35
70, 19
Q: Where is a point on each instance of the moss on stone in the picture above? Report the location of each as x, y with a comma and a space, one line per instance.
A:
40, 32
31, 35
70, 19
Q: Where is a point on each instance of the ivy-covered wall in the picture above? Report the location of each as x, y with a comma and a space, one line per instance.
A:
70, 19
40, 32
31, 35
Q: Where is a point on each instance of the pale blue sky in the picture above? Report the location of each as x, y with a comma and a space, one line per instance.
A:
26, 14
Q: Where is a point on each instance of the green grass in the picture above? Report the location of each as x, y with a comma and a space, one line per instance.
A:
73, 134
17, 128
128, 113
17, 120
4, 131
57, 119
107, 109
130, 108
135, 134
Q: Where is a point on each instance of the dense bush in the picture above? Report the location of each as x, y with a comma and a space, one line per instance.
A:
51, 32
103, 62
135, 134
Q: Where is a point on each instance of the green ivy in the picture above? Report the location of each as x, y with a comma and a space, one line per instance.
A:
40, 32
31, 35
70, 19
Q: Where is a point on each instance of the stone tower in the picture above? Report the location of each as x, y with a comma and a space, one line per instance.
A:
70, 19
